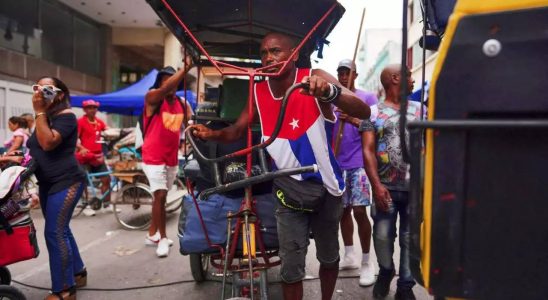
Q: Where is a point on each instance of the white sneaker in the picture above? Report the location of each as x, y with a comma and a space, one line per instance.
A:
348, 263
163, 248
88, 212
110, 209
153, 240
367, 274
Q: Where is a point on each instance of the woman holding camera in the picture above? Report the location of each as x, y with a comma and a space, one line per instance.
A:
61, 182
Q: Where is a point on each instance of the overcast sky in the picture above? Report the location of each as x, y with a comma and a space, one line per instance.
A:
378, 14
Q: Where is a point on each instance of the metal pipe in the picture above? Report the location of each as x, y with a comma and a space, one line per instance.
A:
249, 256
479, 124
248, 192
340, 128
225, 268
262, 161
423, 79
263, 282
257, 179
215, 63
403, 84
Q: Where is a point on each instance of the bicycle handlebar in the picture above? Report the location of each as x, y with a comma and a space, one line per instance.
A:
258, 179
266, 176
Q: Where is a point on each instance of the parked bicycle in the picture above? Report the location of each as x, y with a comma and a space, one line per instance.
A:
131, 198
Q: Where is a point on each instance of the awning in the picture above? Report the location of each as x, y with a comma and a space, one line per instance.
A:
130, 100
416, 95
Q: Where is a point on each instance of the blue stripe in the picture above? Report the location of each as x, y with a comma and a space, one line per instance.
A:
302, 149
329, 131
336, 169
329, 127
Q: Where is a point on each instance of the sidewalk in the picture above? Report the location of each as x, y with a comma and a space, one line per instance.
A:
118, 259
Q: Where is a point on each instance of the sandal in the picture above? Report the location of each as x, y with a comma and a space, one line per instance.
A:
81, 278
67, 294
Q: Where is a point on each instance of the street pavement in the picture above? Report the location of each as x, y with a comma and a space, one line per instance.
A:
118, 259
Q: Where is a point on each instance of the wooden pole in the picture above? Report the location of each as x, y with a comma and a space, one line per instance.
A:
340, 128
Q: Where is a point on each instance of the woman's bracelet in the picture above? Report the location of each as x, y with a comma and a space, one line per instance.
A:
39, 114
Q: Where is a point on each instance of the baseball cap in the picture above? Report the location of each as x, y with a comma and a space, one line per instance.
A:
165, 71
347, 63
90, 102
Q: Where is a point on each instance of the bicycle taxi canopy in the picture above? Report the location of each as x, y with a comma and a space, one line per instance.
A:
233, 29
227, 35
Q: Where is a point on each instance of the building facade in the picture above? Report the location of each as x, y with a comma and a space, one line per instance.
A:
93, 46
414, 50
389, 54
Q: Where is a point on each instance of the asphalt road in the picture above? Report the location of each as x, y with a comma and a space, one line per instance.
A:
118, 259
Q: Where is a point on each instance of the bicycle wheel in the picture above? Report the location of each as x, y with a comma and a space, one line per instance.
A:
199, 263
5, 276
133, 206
174, 198
10, 293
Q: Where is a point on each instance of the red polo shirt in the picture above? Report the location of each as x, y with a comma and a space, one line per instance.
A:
90, 133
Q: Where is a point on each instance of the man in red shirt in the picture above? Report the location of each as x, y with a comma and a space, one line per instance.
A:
162, 120
89, 150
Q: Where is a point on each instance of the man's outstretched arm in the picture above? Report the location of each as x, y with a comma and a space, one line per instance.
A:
347, 101
155, 96
229, 134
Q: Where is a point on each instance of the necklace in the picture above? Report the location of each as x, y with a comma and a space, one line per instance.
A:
93, 123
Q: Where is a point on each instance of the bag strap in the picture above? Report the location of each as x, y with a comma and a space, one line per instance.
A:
144, 128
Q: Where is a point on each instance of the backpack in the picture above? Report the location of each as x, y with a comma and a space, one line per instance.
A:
141, 130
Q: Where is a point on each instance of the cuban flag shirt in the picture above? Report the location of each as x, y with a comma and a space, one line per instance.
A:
304, 136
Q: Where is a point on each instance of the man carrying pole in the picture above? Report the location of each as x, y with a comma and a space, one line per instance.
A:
357, 195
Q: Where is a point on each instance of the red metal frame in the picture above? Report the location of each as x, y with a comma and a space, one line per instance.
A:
248, 206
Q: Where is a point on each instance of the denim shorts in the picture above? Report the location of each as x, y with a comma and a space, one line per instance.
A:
294, 229
357, 191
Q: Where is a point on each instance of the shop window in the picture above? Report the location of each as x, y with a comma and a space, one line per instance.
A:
87, 47
57, 37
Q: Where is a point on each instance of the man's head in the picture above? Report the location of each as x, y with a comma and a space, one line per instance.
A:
275, 48
90, 108
390, 80
346, 73
162, 76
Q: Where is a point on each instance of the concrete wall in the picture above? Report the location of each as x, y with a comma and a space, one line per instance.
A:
374, 41
16, 99
123, 36
370, 81
27, 68
414, 33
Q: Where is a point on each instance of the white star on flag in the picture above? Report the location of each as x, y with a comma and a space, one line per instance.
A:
294, 124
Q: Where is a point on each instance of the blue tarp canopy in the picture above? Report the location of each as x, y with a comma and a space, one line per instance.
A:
130, 100
416, 95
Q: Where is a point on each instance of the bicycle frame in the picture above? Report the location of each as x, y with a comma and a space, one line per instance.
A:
246, 219
113, 182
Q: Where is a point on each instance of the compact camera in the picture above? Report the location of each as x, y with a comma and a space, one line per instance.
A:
48, 93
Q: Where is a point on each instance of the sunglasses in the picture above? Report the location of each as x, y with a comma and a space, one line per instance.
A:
50, 87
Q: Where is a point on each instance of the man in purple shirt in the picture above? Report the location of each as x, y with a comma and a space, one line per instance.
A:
357, 195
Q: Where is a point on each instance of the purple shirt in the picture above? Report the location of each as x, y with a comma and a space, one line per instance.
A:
350, 150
